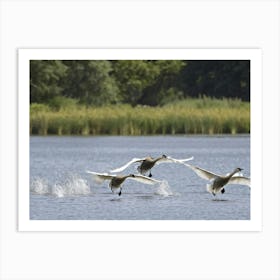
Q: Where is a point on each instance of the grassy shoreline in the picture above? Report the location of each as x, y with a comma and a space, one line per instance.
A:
191, 116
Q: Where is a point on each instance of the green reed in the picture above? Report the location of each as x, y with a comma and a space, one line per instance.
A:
191, 116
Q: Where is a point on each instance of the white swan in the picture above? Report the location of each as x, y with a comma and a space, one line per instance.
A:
217, 182
148, 163
117, 180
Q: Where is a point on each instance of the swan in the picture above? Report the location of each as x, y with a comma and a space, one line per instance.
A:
148, 163
217, 182
117, 180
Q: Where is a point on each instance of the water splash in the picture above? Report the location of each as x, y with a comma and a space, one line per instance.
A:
39, 186
70, 187
164, 189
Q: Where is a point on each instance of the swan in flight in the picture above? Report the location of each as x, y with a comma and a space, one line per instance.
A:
147, 163
217, 182
117, 180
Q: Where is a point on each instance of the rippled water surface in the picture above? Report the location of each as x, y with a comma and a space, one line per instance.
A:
60, 189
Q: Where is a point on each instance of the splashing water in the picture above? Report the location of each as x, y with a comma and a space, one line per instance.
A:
71, 186
164, 189
39, 186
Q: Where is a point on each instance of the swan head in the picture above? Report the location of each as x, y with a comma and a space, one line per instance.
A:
237, 170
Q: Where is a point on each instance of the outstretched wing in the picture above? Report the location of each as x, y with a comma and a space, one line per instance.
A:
144, 179
127, 164
202, 173
100, 177
240, 180
170, 159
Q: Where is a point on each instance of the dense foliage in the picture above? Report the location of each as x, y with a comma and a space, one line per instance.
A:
190, 116
145, 82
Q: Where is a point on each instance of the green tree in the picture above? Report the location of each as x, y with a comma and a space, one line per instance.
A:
45, 79
146, 81
216, 78
165, 86
91, 82
133, 76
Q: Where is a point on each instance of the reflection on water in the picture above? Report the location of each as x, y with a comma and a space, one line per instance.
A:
60, 188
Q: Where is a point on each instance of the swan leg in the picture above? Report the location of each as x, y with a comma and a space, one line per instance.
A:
120, 193
150, 175
222, 190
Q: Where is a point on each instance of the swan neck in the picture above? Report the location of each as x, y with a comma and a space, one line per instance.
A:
232, 173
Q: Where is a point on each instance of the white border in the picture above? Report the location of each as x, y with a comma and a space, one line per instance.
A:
254, 55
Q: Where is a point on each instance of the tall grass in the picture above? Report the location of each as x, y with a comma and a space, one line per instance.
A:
191, 116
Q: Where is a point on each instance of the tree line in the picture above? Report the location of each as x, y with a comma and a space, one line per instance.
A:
145, 82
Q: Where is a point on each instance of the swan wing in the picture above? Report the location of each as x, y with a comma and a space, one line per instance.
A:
127, 164
144, 179
202, 173
100, 177
170, 159
240, 180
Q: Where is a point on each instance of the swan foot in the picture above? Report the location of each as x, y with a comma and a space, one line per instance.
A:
222, 190
120, 193
150, 175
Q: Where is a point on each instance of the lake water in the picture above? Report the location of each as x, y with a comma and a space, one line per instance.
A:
60, 189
